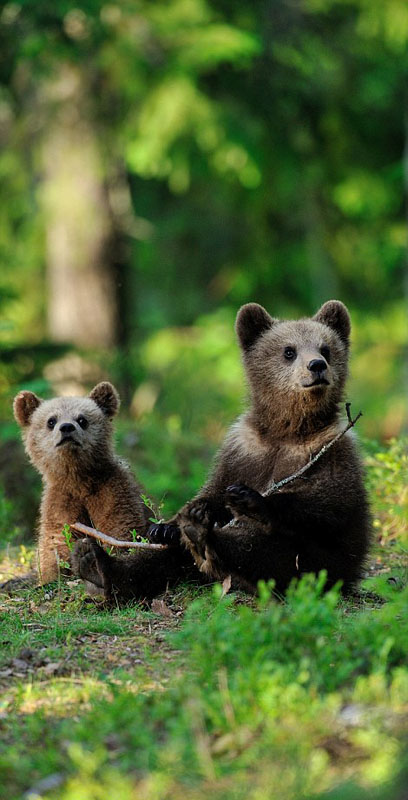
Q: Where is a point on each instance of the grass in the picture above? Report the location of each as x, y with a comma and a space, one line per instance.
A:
205, 695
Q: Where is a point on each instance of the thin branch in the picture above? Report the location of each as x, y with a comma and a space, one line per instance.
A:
351, 422
103, 537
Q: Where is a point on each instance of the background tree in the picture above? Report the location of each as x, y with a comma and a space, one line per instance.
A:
180, 158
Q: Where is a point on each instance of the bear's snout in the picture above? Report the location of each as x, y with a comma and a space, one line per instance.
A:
67, 427
317, 365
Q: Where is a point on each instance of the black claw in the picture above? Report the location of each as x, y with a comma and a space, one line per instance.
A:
243, 500
172, 534
201, 513
238, 488
162, 533
198, 513
153, 532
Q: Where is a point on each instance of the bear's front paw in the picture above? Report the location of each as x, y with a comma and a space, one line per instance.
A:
164, 533
196, 521
244, 501
88, 561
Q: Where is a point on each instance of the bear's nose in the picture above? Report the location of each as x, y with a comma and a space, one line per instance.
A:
67, 427
317, 365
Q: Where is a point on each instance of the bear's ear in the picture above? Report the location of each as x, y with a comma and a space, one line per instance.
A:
106, 397
252, 320
24, 405
335, 315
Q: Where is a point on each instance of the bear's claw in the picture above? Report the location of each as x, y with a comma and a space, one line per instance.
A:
164, 533
244, 501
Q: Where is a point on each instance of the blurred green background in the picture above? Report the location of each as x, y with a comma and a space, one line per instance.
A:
163, 163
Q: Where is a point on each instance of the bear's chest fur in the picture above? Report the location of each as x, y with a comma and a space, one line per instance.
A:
268, 461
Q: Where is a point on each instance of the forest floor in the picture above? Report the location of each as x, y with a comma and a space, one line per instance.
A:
206, 694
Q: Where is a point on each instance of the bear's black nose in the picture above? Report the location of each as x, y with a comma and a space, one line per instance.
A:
67, 427
317, 365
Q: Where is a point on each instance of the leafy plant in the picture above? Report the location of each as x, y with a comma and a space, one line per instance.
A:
387, 471
151, 506
67, 534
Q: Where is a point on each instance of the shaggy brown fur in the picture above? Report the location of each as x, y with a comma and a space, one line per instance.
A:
296, 373
69, 441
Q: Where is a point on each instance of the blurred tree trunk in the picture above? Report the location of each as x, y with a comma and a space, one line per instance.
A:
321, 273
82, 297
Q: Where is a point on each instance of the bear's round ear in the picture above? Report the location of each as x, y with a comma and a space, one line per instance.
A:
252, 320
334, 314
24, 405
106, 397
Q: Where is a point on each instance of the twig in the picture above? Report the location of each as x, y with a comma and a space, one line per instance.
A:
351, 422
103, 537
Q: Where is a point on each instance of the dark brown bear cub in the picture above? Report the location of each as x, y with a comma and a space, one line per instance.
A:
296, 373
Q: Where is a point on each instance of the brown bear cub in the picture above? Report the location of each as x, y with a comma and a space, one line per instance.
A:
237, 525
69, 441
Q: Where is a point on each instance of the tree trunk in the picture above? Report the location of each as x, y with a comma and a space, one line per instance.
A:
82, 298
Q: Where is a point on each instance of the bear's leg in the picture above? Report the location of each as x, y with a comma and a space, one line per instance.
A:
254, 551
139, 576
199, 535
246, 549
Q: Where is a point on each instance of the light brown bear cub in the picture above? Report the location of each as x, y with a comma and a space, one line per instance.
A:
296, 372
69, 441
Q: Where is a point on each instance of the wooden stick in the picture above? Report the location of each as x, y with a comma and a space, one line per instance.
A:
103, 537
351, 422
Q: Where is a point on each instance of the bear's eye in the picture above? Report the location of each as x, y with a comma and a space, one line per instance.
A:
82, 422
51, 423
290, 353
325, 351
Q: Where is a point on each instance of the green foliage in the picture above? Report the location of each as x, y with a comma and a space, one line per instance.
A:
198, 372
151, 506
8, 527
387, 472
305, 639
171, 461
237, 165
258, 694
67, 534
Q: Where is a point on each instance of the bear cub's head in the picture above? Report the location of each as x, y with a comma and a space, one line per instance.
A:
67, 431
300, 365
